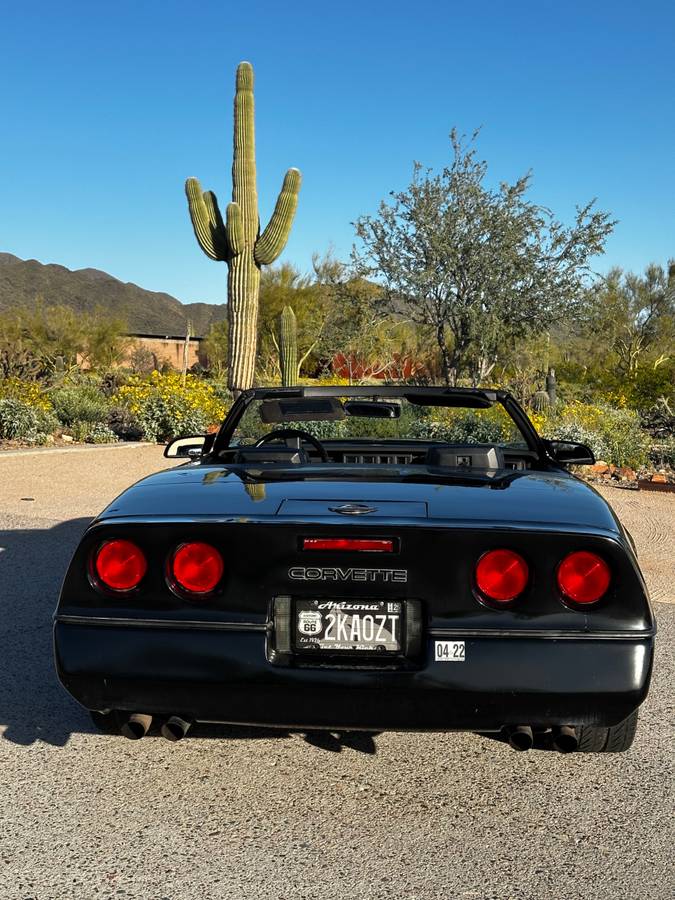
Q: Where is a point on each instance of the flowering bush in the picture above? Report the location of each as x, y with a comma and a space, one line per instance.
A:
614, 435
23, 422
29, 392
164, 408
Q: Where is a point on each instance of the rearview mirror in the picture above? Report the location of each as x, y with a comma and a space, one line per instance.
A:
569, 453
190, 447
372, 409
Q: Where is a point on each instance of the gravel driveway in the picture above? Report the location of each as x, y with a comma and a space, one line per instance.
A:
255, 814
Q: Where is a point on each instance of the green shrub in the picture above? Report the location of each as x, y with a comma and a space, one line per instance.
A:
468, 427
92, 432
614, 435
20, 421
572, 431
100, 433
162, 418
662, 453
164, 408
124, 424
459, 426
80, 403
221, 391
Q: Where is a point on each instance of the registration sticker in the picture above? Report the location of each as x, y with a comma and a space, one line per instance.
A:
449, 651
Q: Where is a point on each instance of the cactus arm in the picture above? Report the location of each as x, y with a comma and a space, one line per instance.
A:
213, 212
234, 228
206, 220
273, 239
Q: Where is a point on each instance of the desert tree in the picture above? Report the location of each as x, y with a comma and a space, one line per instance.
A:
644, 313
370, 339
479, 266
280, 287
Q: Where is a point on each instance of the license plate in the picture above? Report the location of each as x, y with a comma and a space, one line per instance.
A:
367, 626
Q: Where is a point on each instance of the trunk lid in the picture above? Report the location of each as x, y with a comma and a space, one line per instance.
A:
517, 499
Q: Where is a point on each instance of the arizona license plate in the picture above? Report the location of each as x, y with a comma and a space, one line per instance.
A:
348, 625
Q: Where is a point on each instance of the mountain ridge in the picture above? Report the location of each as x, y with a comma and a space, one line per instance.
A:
25, 281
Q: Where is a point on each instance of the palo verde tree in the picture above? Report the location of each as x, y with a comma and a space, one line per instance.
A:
282, 286
634, 315
479, 266
238, 241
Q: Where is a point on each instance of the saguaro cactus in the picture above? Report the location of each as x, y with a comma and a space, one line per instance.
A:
238, 240
288, 347
551, 386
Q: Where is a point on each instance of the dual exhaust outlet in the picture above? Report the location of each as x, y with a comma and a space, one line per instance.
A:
520, 737
138, 725
564, 738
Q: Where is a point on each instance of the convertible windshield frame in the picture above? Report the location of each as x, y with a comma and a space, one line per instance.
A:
476, 398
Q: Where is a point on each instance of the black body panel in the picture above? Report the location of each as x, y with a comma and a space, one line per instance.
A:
262, 559
223, 676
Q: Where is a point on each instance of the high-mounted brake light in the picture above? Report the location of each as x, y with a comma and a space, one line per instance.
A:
120, 565
583, 577
197, 567
367, 545
501, 575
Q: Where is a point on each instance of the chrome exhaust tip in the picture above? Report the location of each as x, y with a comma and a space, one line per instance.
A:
565, 739
520, 737
136, 726
175, 728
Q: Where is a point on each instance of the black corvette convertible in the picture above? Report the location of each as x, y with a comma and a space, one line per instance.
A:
363, 559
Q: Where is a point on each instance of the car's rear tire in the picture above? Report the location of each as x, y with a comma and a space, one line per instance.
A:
107, 722
615, 739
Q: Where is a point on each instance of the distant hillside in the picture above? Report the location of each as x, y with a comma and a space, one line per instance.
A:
146, 312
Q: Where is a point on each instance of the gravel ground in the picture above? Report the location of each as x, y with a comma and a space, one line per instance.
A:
255, 814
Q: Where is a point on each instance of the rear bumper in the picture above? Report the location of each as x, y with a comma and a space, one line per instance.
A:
225, 676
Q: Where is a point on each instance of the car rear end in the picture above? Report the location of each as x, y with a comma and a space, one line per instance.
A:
321, 617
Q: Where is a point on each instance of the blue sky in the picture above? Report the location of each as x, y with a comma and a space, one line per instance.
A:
106, 108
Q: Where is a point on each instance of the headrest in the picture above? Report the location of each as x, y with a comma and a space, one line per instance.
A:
465, 456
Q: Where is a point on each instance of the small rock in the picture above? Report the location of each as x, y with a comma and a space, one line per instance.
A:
659, 478
67, 438
627, 473
600, 468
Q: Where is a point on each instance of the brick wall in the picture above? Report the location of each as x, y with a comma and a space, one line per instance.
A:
167, 351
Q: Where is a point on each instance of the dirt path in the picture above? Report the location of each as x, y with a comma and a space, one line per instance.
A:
80, 481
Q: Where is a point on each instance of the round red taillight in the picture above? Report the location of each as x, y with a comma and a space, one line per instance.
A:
501, 575
583, 577
197, 567
120, 565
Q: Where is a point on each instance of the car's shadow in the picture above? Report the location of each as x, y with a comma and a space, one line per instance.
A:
331, 741
33, 705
